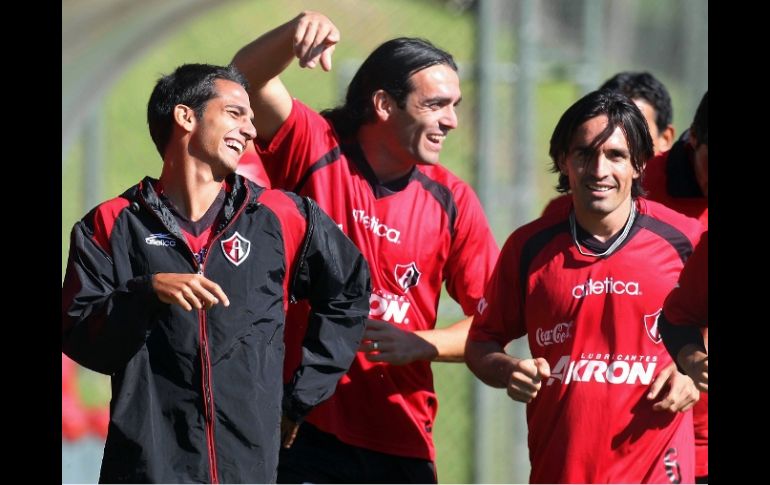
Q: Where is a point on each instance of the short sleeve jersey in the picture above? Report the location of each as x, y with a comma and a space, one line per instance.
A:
594, 319
430, 232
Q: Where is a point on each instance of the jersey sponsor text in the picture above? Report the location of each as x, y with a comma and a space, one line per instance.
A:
621, 369
374, 225
607, 285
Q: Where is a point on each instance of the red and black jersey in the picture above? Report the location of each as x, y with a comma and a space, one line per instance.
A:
197, 395
430, 230
687, 304
594, 319
669, 178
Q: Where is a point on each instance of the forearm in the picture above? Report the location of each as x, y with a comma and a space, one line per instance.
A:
268, 55
489, 362
447, 344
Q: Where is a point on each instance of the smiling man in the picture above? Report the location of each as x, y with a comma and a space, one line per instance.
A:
179, 288
605, 403
373, 165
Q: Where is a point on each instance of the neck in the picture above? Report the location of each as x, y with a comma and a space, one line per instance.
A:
189, 186
385, 163
604, 226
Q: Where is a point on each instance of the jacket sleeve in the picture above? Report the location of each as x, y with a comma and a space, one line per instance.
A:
333, 275
105, 321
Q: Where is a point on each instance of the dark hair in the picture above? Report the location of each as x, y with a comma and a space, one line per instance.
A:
643, 85
700, 124
389, 67
191, 85
620, 112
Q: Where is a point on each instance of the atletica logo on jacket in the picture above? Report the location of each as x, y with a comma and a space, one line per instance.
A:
161, 239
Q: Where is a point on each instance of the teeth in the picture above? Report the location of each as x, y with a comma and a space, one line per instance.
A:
599, 189
436, 138
236, 145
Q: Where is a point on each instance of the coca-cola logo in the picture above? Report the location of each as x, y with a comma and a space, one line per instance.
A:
557, 335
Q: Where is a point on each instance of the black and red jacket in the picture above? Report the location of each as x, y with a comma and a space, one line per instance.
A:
197, 396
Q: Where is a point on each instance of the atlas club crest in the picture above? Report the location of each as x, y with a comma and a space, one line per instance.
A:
651, 326
236, 248
407, 275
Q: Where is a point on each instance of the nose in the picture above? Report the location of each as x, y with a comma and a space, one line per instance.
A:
248, 130
599, 166
449, 118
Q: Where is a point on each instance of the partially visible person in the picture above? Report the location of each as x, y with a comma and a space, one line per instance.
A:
179, 288
685, 312
373, 165
678, 179
78, 419
652, 98
606, 403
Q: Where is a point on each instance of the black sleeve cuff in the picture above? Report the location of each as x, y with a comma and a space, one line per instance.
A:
677, 336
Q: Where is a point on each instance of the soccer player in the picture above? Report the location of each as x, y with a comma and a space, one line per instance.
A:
685, 312
178, 289
678, 178
605, 402
373, 165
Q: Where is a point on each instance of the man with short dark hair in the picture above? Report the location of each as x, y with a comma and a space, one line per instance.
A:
179, 288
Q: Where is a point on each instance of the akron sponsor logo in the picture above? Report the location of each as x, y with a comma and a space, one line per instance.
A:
606, 286
557, 335
389, 307
373, 225
621, 369
161, 239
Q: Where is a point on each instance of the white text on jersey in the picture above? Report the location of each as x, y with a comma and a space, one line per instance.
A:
378, 229
390, 308
608, 285
629, 370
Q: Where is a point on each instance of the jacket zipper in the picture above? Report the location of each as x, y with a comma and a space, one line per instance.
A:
208, 397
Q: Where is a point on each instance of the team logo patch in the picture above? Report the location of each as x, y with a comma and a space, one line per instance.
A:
236, 248
407, 275
651, 326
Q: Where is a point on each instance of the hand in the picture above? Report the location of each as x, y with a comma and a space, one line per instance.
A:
384, 342
526, 377
695, 363
188, 290
288, 432
682, 394
315, 38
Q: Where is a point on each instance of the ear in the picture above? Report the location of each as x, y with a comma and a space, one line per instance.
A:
666, 138
383, 104
184, 116
638, 173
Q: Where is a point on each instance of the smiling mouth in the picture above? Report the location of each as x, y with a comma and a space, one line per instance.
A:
599, 188
235, 145
438, 139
